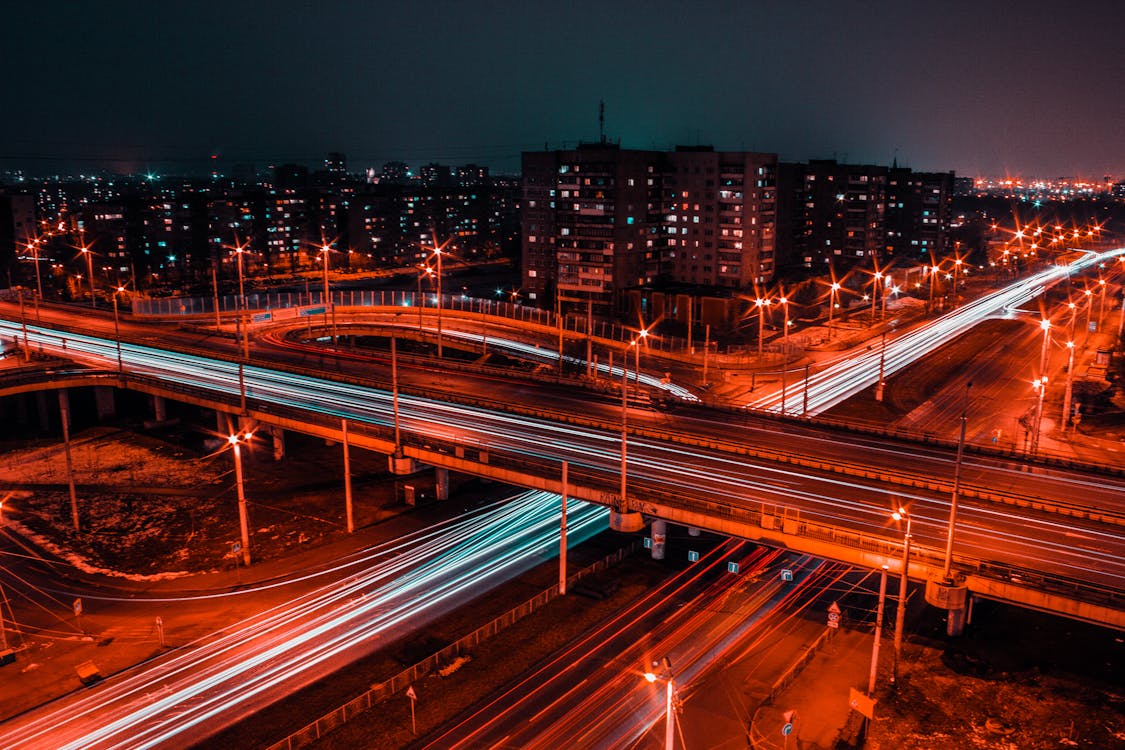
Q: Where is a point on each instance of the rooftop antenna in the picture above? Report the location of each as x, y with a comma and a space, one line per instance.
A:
601, 119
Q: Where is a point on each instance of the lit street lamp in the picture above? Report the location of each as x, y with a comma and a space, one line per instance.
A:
325, 250
437, 250
235, 442
669, 694
117, 327
785, 350
761, 303
85, 250
900, 615
832, 302
1069, 386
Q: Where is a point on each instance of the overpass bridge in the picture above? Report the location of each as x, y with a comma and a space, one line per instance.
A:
1021, 537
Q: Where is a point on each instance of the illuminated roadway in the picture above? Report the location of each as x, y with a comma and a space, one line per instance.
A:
186, 695
662, 466
849, 376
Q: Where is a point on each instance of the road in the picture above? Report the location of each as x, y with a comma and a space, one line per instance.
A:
848, 376
186, 695
593, 694
669, 466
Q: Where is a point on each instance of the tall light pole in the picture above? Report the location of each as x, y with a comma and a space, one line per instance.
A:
900, 615
117, 327
1101, 305
956, 485
235, 442
325, 250
437, 250
784, 301
85, 250
38, 277
934, 271
669, 694
1040, 384
878, 632
762, 304
1069, 386
956, 275
875, 279
244, 331
834, 292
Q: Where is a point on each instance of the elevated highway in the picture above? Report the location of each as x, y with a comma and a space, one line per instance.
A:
1038, 536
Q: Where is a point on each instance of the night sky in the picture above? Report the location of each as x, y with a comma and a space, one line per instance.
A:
984, 88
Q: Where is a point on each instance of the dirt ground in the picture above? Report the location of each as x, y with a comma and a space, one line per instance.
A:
147, 506
1017, 680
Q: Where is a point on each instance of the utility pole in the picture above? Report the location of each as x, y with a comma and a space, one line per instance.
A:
562, 533
348, 514
878, 632
64, 414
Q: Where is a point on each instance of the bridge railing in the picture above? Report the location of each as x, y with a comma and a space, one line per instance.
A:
259, 302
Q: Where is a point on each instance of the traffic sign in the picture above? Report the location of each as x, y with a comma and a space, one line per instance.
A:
787, 575
732, 567
692, 556
787, 728
834, 615
77, 607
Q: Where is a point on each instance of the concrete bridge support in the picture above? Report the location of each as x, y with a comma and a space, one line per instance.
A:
626, 521
441, 483
277, 436
659, 537
401, 465
951, 596
104, 399
159, 409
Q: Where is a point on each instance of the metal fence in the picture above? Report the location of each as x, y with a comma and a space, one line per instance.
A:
266, 301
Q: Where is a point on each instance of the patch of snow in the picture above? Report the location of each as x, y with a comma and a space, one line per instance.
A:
82, 564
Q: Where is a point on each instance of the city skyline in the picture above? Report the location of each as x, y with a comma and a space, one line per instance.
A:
981, 91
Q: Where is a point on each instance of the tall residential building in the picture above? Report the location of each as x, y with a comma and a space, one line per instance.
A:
720, 217
833, 214
918, 214
599, 220
591, 223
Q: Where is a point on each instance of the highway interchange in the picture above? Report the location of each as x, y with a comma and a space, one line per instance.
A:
1070, 548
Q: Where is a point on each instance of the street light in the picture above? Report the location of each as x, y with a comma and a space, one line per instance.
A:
85, 250
1069, 386
235, 442
761, 303
437, 250
670, 690
900, 615
834, 292
117, 326
875, 292
325, 249
956, 272
784, 351
1039, 385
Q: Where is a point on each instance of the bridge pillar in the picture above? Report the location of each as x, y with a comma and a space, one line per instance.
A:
159, 411
278, 436
441, 483
950, 596
41, 410
401, 465
626, 521
222, 423
104, 399
659, 536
